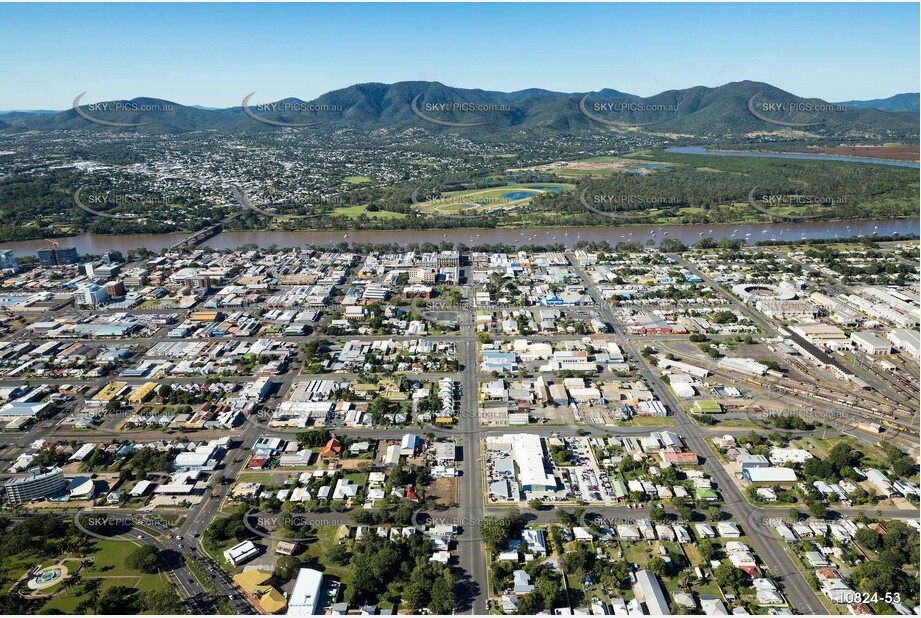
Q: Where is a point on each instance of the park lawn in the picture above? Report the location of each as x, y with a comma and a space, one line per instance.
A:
490, 198
110, 559
259, 476
709, 588
68, 600
352, 212
357, 180
636, 553
14, 567
359, 478
316, 552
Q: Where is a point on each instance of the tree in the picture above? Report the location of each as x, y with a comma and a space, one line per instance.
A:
404, 514
361, 516
496, 532
707, 550
529, 604
714, 513
566, 518
550, 589
871, 539
881, 579
658, 514
620, 574
574, 562
658, 566
442, 601
287, 567
414, 596
535, 504
116, 600
729, 576
162, 601
818, 510
145, 559
338, 554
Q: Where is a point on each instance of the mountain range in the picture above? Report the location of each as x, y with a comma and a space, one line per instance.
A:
905, 102
719, 112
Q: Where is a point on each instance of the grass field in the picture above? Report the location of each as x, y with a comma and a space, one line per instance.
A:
648, 421
738, 423
109, 568
595, 166
492, 198
357, 180
316, 551
352, 212
820, 447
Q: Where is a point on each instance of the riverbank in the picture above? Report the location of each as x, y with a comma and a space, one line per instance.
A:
688, 234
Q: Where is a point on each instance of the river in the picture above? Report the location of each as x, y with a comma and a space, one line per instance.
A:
700, 150
689, 234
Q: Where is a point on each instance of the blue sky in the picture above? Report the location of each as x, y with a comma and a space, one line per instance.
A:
215, 54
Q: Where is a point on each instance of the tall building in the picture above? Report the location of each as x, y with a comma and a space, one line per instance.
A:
92, 295
36, 485
57, 256
8, 261
115, 289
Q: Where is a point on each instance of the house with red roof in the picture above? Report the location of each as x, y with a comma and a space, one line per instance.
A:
332, 450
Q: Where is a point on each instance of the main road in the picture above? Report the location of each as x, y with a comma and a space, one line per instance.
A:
780, 565
474, 583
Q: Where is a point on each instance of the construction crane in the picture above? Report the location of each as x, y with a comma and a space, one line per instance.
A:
53, 242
